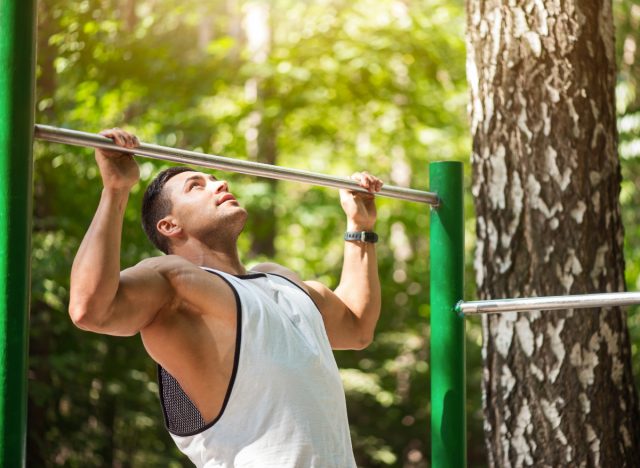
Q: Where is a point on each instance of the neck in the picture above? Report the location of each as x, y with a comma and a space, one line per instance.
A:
222, 259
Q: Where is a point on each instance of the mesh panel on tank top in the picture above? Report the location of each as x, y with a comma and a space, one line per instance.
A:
181, 415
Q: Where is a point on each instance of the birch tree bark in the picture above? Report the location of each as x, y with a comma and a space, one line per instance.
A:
557, 386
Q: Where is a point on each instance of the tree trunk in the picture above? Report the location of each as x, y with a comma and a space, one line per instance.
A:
129, 16
557, 386
261, 134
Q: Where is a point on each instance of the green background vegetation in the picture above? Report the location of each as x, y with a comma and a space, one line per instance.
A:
347, 85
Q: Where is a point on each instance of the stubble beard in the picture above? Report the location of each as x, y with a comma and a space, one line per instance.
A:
223, 235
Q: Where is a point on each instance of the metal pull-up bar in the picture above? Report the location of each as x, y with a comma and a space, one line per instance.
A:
579, 301
164, 153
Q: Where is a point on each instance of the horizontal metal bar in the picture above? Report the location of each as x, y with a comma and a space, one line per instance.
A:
580, 301
74, 137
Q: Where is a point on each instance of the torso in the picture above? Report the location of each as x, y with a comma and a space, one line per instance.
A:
194, 337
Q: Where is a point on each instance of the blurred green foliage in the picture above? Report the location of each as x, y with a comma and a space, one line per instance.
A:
627, 21
345, 85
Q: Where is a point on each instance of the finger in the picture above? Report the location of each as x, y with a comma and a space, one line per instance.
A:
115, 134
369, 181
124, 139
374, 183
108, 133
359, 178
378, 184
362, 179
129, 139
120, 140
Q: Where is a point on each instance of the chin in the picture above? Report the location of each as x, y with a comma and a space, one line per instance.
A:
234, 222
244, 214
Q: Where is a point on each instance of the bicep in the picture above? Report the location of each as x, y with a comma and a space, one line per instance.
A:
340, 322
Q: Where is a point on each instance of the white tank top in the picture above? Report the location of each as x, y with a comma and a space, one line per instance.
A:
285, 404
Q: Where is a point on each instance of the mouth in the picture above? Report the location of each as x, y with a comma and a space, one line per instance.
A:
224, 198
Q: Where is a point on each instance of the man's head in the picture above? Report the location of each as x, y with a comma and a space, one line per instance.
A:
182, 201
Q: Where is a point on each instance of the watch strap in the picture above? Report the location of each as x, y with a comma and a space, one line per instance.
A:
361, 236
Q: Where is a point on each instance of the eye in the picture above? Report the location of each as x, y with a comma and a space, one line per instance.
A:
193, 185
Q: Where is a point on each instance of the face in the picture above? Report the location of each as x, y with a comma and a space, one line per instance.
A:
202, 206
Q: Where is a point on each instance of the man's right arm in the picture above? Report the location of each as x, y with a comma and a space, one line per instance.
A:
102, 299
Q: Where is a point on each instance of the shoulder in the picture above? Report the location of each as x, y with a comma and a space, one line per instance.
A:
172, 267
164, 263
190, 283
275, 268
271, 267
318, 291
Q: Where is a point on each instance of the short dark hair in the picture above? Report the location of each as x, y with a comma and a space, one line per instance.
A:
156, 205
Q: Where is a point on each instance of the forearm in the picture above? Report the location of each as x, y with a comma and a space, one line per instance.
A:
95, 274
359, 287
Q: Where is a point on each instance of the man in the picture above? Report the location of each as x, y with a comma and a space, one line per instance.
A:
247, 376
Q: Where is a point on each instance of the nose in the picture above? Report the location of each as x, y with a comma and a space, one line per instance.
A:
222, 186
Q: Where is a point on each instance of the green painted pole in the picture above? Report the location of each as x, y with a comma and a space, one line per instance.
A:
448, 420
17, 75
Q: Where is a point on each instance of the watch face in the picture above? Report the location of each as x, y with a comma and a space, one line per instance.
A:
371, 237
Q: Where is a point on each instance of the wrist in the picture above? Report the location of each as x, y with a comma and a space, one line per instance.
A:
116, 191
353, 226
369, 237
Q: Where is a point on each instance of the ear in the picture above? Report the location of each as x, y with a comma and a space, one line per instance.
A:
168, 227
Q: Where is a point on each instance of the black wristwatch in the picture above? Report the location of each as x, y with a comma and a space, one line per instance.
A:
362, 236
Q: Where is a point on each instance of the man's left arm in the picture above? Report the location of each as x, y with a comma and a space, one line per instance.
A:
351, 312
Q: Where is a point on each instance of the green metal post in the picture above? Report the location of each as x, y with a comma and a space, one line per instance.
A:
17, 75
448, 420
